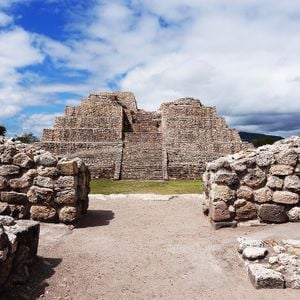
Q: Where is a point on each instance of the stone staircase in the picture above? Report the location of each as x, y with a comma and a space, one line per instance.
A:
142, 156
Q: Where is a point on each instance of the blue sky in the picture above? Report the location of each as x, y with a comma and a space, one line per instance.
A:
240, 56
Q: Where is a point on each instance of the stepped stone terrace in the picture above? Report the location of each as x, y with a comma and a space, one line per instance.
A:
117, 140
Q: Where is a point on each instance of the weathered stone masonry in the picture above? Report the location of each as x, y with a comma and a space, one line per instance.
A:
117, 140
262, 185
38, 185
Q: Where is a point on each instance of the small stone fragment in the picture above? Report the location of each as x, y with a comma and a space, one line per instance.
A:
253, 253
274, 182
293, 281
7, 221
292, 183
69, 214
294, 214
244, 242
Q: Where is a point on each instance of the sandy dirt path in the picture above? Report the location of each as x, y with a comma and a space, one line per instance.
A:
140, 249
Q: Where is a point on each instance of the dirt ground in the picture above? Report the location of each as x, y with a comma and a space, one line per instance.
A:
146, 249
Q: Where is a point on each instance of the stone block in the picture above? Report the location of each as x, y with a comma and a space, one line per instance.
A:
46, 159
285, 197
281, 170
245, 192
3, 183
244, 242
47, 171
43, 213
275, 182
219, 211
292, 183
223, 224
294, 214
263, 195
254, 253
45, 182
23, 160
7, 170
255, 178
13, 198
226, 177
67, 167
287, 157
68, 182
66, 197
221, 193
265, 158
20, 183
262, 277
246, 211
38, 195
69, 214
272, 213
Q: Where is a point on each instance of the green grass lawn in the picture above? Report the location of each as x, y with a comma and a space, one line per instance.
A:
107, 186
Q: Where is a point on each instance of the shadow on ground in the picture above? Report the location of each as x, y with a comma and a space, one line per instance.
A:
95, 218
35, 287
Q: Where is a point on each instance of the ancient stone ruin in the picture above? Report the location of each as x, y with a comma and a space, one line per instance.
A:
261, 185
38, 185
271, 263
18, 249
118, 140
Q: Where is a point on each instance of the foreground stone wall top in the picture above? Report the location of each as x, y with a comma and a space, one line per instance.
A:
38, 185
261, 185
118, 140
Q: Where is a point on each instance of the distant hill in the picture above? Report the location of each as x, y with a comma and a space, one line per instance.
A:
259, 139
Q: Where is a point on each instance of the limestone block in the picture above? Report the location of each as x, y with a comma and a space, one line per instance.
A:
13, 198
262, 277
68, 182
226, 177
287, 157
253, 253
6, 170
67, 167
46, 159
20, 183
245, 211
221, 163
45, 182
3, 183
281, 170
47, 171
275, 182
285, 197
23, 160
43, 213
7, 156
293, 281
255, 178
66, 197
69, 214
292, 183
263, 195
294, 214
221, 193
245, 192
272, 213
265, 158
38, 194
219, 211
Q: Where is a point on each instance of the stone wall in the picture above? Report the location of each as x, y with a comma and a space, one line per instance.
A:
117, 140
261, 185
18, 249
38, 185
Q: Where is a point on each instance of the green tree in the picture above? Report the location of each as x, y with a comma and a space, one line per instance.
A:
263, 141
2, 130
27, 138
